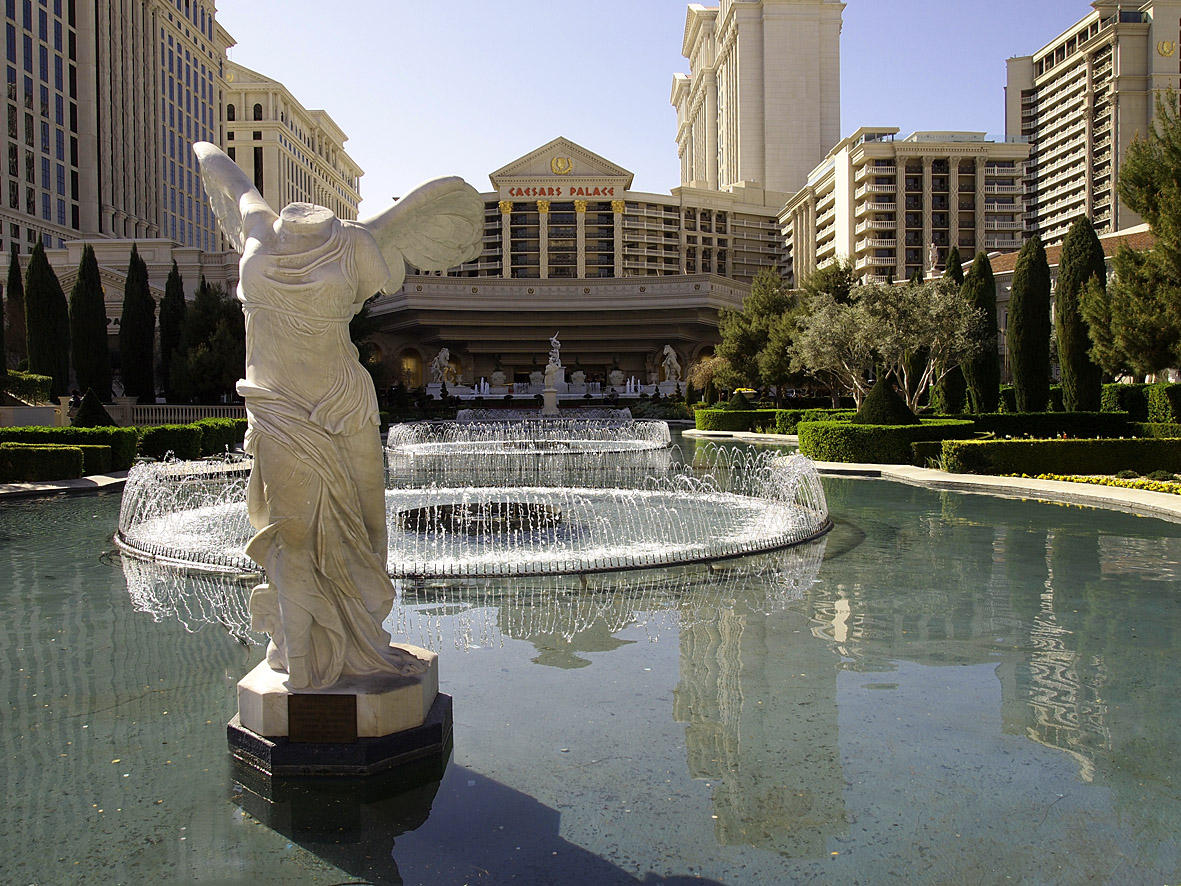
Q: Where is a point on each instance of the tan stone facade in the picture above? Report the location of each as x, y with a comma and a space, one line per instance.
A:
1080, 100
762, 102
896, 206
292, 154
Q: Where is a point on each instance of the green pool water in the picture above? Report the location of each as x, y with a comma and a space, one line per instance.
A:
975, 690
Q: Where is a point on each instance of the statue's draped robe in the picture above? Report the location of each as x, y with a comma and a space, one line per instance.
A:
316, 494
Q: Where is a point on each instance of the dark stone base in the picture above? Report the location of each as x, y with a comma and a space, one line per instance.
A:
281, 758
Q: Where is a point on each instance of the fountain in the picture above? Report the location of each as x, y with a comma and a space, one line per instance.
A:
479, 501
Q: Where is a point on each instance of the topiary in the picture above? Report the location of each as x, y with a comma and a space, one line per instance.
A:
884, 406
738, 400
1127, 475
91, 413
1162, 476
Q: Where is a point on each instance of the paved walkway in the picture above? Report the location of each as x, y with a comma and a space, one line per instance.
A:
47, 489
1134, 501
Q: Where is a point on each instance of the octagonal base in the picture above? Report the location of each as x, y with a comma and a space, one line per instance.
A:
383, 704
280, 757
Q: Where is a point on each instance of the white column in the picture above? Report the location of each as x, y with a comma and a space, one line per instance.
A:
506, 238
617, 207
980, 232
928, 200
711, 130
900, 218
543, 238
580, 235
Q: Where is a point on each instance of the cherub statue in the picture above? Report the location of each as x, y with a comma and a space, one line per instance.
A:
671, 365
317, 492
440, 365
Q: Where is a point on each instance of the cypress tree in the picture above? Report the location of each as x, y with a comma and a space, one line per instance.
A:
1028, 329
14, 312
950, 390
172, 320
88, 329
1082, 261
137, 333
983, 372
47, 323
3, 347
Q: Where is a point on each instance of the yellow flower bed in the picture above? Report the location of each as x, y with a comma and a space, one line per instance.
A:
1150, 485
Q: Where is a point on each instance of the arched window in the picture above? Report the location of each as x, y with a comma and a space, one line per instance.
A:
231, 114
258, 112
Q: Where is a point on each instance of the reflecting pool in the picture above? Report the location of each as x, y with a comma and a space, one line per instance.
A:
974, 690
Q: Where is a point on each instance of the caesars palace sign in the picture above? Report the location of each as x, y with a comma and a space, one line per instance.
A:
563, 190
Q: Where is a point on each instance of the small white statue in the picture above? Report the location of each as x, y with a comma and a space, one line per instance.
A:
536, 378
615, 376
498, 377
672, 366
553, 372
555, 351
932, 259
316, 495
578, 377
440, 366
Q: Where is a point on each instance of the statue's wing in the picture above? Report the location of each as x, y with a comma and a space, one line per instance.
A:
437, 226
236, 202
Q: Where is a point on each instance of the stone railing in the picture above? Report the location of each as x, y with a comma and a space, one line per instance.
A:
127, 412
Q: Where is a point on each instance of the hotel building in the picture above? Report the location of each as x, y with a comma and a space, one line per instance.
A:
1080, 100
762, 102
103, 101
895, 207
569, 247
291, 153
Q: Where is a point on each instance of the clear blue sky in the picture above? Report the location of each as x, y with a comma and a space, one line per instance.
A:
461, 87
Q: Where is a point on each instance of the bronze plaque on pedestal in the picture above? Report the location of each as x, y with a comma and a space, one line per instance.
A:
323, 718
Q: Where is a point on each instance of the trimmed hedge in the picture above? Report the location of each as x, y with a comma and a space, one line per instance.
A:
1156, 429
1008, 399
1060, 456
32, 462
121, 440
1132, 399
1164, 402
96, 459
1054, 424
779, 421
220, 434
874, 444
183, 441
27, 386
787, 420
734, 419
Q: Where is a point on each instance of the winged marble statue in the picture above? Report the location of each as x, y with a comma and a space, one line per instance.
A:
316, 496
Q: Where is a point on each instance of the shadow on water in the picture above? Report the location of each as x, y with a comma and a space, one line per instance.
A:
429, 823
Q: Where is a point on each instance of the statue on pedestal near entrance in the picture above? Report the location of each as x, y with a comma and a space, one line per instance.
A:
439, 366
671, 365
317, 490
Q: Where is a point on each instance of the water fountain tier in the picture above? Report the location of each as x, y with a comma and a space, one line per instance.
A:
492, 503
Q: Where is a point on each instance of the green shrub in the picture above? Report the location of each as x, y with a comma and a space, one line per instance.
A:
33, 462
183, 441
884, 406
27, 386
1155, 429
733, 419
1132, 399
738, 400
1162, 476
787, 420
1128, 475
121, 440
1164, 402
96, 459
926, 453
1008, 399
1060, 456
92, 414
873, 444
1054, 424
1055, 398
221, 434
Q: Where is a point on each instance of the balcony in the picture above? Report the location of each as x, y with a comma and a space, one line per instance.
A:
995, 244
875, 224
877, 261
870, 169
876, 188
1000, 224
1002, 189
870, 206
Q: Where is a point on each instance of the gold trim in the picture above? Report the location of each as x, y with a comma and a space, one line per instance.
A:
543, 207
561, 165
618, 206
506, 206
580, 206
1166, 48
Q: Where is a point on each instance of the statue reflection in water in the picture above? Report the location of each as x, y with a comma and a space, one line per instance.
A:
316, 494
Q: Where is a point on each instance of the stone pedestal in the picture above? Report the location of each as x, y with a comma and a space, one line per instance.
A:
360, 726
549, 401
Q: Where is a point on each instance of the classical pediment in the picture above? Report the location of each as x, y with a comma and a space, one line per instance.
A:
113, 283
559, 162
